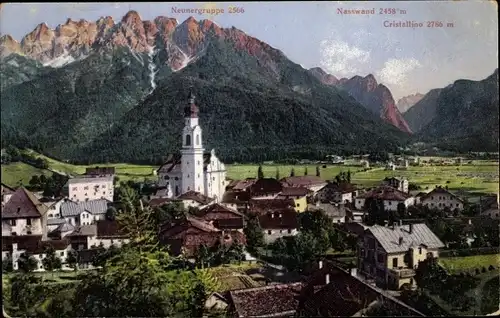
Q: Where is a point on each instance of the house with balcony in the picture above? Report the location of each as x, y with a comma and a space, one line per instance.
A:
390, 196
440, 198
24, 214
389, 255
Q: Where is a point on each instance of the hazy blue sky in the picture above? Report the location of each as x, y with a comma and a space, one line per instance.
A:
407, 60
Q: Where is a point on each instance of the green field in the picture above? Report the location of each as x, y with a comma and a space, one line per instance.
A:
19, 173
465, 263
468, 179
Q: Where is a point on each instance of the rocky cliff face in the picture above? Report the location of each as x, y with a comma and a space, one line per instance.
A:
407, 102
176, 45
375, 97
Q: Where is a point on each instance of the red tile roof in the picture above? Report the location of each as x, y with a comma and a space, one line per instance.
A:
295, 191
242, 185
260, 206
385, 193
23, 204
265, 186
268, 301
284, 219
187, 235
304, 181
6, 189
342, 187
437, 191
195, 196
236, 197
159, 202
107, 229
222, 216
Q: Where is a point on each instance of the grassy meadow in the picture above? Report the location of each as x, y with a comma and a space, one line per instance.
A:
480, 176
464, 263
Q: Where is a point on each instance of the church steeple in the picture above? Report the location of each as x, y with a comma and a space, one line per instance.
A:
191, 110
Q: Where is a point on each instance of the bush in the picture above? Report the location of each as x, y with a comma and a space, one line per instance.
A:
491, 267
478, 271
448, 181
483, 269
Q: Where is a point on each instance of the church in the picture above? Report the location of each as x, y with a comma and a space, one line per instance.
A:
193, 169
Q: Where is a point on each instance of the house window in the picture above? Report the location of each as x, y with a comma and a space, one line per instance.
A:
13, 222
13, 233
86, 194
85, 188
198, 175
103, 192
432, 198
75, 188
457, 205
298, 205
390, 203
28, 221
289, 231
380, 258
189, 188
188, 176
420, 251
103, 186
395, 262
213, 179
188, 140
28, 232
62, 253
176, 178
281, 231
197, 139
198, 162
187, 163
269, 232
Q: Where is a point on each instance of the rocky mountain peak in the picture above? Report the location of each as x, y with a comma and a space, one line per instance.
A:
132, 17
323, 76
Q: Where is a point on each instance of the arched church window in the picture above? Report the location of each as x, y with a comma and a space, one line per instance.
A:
176, 178
176, 190
197, 139
167, 178
188, 140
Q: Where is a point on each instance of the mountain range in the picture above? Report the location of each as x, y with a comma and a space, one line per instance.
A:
462, 116
407, 102
375, 97
109, 91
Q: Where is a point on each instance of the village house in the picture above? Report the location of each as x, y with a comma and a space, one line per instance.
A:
335, 211
24, 214
330, 291
237, 200
277, 217
489, 207
390, 196
440, 198
222, 217
13, 247
298, 195
337, 192
193, 169
279, 300
265, 188
86, 188
54, 206
398, 183
84, 212
184, 237
313, 183
195, 199
390, 254
7, 193
241, 185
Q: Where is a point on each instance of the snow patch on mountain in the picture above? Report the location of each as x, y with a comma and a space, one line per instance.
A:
153, 69
61, 60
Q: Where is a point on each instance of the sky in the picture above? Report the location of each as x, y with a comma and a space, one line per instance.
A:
457, 39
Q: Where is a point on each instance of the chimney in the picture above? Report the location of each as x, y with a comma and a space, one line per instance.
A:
320, 264
18, 209
411, 228
327, 279
400, 240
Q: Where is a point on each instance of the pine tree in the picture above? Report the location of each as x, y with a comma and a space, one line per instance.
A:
292, 173
260, 173
305, 171
277, 174
318, 173
349, 176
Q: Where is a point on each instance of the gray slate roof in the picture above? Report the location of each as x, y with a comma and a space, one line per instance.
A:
94, 207
89, 179
84, 230
389, 237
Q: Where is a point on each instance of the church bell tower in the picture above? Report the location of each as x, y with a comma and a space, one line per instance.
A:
192, 150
